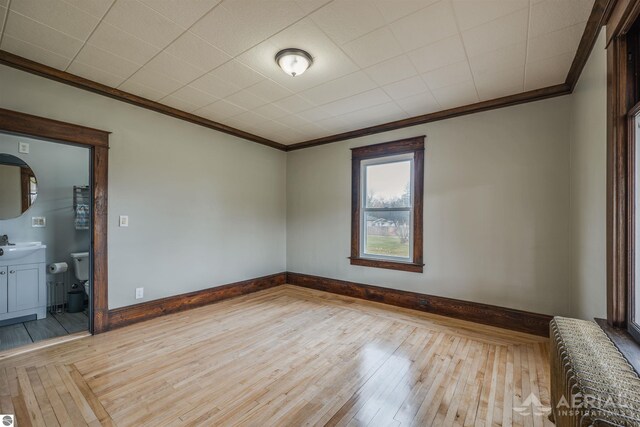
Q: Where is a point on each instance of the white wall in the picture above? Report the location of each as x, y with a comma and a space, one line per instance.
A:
496, 214
205, 208
588, 187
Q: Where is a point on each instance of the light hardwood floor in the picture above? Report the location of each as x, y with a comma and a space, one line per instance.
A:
284, 356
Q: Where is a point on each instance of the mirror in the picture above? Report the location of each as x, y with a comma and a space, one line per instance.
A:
18, 186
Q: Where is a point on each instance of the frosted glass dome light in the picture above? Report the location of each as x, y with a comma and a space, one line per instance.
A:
294, 61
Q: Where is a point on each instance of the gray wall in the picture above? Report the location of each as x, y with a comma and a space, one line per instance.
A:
205, 208
57, 167
496, 209
588, 187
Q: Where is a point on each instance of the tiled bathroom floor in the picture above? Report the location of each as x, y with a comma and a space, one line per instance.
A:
54, 325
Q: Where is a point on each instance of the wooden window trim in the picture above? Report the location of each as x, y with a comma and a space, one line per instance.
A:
413, 145
98, 142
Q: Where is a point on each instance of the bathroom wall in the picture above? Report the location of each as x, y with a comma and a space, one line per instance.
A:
205, 208
588, 187
496, 209
57, 167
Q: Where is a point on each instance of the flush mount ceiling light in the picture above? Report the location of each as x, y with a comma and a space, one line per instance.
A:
294, 61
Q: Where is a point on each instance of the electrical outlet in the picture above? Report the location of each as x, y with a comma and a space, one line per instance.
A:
23, 147
124, 221
139, 293
38, 221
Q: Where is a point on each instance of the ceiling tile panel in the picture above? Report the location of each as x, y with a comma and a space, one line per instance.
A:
425, 26
178, 103
456, 95
310, 6
269, 90
58, 15
34, 53
377, 114
438, 55
392, 70
194, 96
555, 43
547, 72
498, 33
373, 48
338, 20
294, 104
509, 57
3, 14
237, 74
421, 103
118, 42
95, 8
354, 103
95, 57
405, 88
393, 10
339, 88
553, 15
95, 74
314, 114
166, 64
160, 83
271, 111
246, 100
197, 52
499, 83
142, 90
236, 26
220, 110
25, 29
143, 22
448, 75
184, 12
472, 13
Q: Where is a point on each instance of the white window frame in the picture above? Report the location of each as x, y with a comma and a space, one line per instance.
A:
364, 210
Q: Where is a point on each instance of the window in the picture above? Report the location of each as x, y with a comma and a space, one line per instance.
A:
387, 192
633, 324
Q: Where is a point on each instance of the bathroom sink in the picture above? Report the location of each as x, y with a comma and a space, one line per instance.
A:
19, 250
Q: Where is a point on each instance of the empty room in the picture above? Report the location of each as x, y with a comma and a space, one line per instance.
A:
319, 212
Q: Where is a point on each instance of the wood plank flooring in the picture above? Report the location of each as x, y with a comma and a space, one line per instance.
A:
284, 356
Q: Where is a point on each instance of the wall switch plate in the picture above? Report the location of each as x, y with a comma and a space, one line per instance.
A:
23, 147
139, 293
38, 221
124, 221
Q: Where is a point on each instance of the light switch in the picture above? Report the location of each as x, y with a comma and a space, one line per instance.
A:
23, 147
139, 293
38, 221
124, 220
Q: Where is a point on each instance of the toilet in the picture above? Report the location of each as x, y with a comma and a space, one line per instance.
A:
81, 268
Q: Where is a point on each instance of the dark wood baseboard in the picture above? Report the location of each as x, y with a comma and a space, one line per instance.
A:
124, 316
507, 318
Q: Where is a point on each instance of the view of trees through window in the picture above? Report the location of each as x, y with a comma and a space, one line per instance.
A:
387, 210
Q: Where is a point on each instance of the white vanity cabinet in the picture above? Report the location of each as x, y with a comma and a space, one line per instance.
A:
23, 285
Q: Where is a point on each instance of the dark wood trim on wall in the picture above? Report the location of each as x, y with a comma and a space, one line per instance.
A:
32, 67
128, 315
98, 142
507, 101
507, 318
599, 14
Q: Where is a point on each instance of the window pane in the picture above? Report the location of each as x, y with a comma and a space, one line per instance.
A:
636, 297
388, 185
387, 233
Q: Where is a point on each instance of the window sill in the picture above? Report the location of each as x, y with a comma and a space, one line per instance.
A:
390, 265
629, 348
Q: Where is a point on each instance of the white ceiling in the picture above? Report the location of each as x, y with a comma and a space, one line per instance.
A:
375, 60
